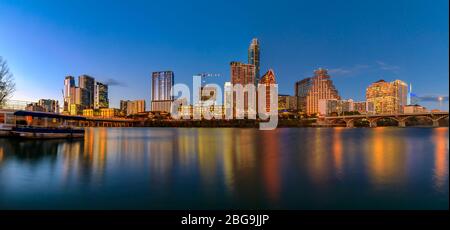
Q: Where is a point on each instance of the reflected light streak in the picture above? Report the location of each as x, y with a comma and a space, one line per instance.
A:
441, 158
338, 151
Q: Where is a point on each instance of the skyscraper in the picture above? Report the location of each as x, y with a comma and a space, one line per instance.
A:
242, 74
387, 97
268, 79
69, 98
87, 82
101, 96
253, 56
162, 83
310, 90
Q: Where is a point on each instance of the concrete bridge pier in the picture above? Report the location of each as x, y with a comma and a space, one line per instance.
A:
372, 123
349, 123
435, 123
401, 123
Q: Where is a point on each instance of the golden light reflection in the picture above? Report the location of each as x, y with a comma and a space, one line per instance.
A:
387, 160
317, 161
207, 150
441, 158
338, 151
271, 169
228, 160
2, 153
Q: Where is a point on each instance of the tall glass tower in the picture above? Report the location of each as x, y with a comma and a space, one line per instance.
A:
253, 56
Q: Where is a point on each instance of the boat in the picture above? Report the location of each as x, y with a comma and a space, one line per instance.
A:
40, 125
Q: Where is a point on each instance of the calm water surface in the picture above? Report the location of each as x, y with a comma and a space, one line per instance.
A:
205, 168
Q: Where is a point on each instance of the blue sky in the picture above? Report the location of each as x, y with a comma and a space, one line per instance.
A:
358, 41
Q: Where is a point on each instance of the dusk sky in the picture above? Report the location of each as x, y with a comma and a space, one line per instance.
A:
122, 42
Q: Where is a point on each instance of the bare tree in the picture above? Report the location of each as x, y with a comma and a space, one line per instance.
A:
7, 85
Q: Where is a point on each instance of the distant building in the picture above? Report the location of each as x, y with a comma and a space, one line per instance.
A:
75, 109
253, 57
88, 112
69, 84
162, 83
310, 90
89, 94
35, 107
82, 98
334, 107
50, 106
387, 97
124, 106
88, 83
101, 100
135, 107
268, 79
414, 109
243, 74
363, 107
287, 103
109, 112
103, 112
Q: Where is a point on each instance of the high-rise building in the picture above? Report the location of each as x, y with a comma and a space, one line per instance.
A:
401, 93
162, 83
253, 56
82, 98
101, 100
268, 79
243, 74
387, 97
87, 82
310, 90
69, 98
88, 95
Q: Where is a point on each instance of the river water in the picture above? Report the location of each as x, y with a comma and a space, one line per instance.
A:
229, 168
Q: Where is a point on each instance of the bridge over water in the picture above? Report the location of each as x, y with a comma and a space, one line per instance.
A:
435, 117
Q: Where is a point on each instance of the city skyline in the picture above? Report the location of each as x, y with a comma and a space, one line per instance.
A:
352, 74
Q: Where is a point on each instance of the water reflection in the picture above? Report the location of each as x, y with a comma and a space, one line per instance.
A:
441, 159
387, 158
337, 152
229, 168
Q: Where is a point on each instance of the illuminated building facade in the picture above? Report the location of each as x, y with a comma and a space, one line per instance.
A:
387, 97
162, 83
334, 107
89, 94
414, 109
69, 98
287, 103
268, 79
310, 90
101, 96
135, 107
253, 56
243, 74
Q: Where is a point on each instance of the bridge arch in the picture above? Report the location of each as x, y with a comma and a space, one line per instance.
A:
374, 121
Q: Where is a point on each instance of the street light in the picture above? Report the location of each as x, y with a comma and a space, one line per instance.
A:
440, 102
